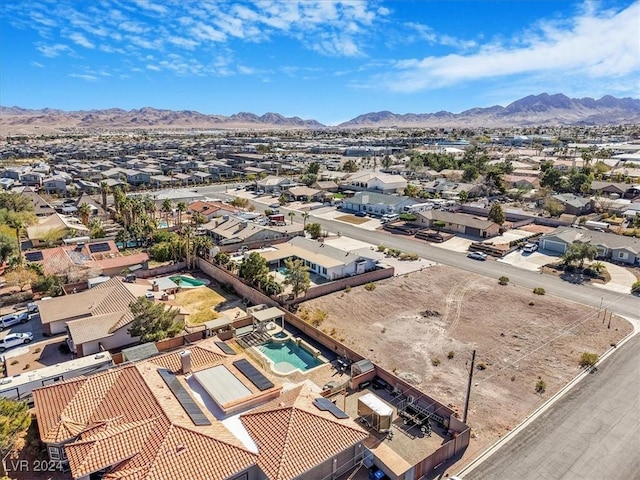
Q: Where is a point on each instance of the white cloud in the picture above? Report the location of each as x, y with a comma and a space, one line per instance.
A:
81, 40
84, 76
155, 68
594, 44
53, 51
36, 64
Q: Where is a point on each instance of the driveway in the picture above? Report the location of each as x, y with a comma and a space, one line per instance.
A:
528, 261
455, 244
621, 279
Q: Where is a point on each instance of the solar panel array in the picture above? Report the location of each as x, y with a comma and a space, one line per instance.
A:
225, 348
327, 405
99, 247
258, 379
181, 394
33, 256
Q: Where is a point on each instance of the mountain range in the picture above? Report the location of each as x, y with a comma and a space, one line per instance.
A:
543, 109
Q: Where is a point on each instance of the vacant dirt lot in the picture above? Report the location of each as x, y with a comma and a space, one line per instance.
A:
413, 324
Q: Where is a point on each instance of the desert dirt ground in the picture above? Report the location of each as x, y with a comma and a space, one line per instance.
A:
410, 324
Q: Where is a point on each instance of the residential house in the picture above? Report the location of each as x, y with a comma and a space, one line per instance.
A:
377, 203
272, 183
375, 182
95, 319
451, 190
521, 182
41, 207
57, 184
607, 189
305, 194
575, 205
145, 423
219, 169
326, 186
237, 231
53, 228
6, 183
32, 179
210, 210
323, 260
459, 223
616, 248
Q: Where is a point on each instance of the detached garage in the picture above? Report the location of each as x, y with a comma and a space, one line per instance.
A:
559, 240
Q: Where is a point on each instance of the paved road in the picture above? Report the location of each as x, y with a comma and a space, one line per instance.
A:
622, 304
592, 433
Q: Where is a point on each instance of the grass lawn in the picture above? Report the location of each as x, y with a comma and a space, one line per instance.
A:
352, 219
201, 302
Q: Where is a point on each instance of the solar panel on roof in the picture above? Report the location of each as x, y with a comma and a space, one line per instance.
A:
33, 256
327, 405
99, 247
225, 348
181, 394
259, 380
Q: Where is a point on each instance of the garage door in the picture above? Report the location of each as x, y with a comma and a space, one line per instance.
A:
553, 246
472, 231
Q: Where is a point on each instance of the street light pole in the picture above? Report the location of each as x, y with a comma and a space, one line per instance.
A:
466, 401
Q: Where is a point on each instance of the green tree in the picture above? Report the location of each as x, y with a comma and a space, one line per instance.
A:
411, 190
464, 196
96, 230
152, 321
105, 190
553, 206
579, 252
19, 220
350, 166
166, 209
551, 178
14, 202
297, 276
387, 161
305, 217
496, 213
470, 173
84, 211
282, 200
15, 419
291, 215
8, 246
239, 202
313, 168
253, 268
222, 258
270, 286
314, 229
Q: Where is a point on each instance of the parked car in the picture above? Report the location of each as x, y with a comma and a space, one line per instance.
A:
15, 339
13, 319
530, 248
274, 205
32, 307
477, 255
360, 214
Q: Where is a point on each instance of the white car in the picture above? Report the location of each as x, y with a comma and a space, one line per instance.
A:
530, 248
477, 255
15, 339
14, 319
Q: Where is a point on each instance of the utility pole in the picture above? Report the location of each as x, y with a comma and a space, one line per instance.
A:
466, 401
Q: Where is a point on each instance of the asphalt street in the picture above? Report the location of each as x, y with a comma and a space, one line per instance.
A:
592, 433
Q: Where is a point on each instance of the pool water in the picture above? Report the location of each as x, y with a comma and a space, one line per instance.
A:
188, 281
289, 354
280, 335
282, 270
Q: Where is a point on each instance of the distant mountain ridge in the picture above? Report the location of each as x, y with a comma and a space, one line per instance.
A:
543, 109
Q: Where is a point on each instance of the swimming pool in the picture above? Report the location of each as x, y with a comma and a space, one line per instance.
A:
282, 270
163, 224
189, 282
288, 356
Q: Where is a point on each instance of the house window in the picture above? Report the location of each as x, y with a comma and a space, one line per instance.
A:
54, 453
622, 255
324, 271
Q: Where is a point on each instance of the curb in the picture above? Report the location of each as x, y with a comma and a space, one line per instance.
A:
538, 411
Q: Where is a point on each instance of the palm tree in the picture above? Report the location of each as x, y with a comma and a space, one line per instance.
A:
291, 215
198, 219
167, 208
20, 221
105, 190
305, 216
187, 232
181, 207
149, 207
118, 197
84, 211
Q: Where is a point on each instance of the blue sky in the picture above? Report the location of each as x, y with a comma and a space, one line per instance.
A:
327, 60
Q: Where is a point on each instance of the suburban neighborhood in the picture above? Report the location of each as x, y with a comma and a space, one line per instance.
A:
170, 298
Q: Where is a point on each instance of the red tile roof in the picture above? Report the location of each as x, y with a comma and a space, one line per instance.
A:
293, 436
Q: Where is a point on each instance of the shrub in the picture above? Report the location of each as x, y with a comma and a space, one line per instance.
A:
37, 350
503, 280
482, 365
531, 304
513, 378
369, 287
539, 291
384, 329
15, 362
435, 362
588, 360
381, 248
635, 287
318, 317
541, 385
451, 354
26, 367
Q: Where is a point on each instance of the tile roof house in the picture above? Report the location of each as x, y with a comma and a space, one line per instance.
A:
375, 181
55, 225
234, 230
210, 210
286, 450
129, 423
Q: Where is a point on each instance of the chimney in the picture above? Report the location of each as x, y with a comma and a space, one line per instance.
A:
185, 361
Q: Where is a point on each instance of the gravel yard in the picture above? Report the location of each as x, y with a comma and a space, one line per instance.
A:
413, 324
